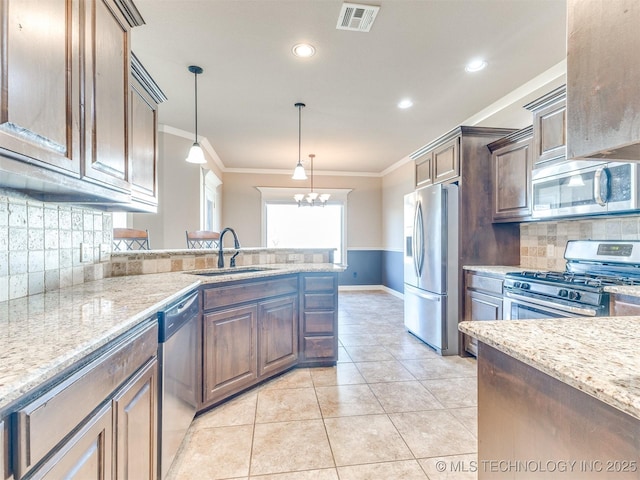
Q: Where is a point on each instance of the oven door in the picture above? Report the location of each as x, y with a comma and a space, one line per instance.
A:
520, 307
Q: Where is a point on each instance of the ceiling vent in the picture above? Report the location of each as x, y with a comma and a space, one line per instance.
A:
357, 18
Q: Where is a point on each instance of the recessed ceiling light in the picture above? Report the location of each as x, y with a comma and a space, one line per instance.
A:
475, 65
406, 103
303, 50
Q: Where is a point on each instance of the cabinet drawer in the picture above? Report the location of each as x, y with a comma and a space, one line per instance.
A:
481, 282
319, 348
319, 322
233, 294
319, 283
319, 301
47, 420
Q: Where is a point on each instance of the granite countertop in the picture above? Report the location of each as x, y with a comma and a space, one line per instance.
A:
494, 269
42, 335
598, 356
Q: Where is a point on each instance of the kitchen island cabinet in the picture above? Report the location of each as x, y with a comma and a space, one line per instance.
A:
41, 435
250, 332
229, 351
547, 395
319, 319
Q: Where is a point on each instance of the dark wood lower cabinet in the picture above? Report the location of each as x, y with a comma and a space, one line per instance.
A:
255, 329
87, 455
319, 319
623, 305
136, 420
529, 420
482, 301
278, 339
229, 351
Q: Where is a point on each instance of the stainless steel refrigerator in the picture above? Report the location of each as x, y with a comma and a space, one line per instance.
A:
431, 266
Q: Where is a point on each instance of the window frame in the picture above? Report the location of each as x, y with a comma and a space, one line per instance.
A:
284, 195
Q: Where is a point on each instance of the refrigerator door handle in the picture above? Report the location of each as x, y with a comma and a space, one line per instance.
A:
418, 240
422, 293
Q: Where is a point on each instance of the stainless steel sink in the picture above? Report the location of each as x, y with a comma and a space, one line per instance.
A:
228, 271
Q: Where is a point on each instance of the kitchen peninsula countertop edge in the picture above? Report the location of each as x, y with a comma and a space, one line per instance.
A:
595, 355
43, 335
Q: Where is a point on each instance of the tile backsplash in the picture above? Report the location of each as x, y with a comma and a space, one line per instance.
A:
40, 245
542, 244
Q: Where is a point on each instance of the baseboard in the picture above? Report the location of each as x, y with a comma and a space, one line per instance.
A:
362, 288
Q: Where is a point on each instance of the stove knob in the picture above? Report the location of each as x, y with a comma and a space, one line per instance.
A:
574, 295
563, 293
525, 286
516, 284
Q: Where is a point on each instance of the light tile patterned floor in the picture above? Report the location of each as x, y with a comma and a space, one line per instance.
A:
391, 409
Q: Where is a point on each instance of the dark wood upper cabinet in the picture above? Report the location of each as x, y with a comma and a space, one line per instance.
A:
107, 61
438, 164
603, 79
511, 167
39, 83
549, 127
145, 95
78, 112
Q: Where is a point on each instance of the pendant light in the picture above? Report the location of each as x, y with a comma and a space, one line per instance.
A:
312, 198
196, 155
299, 173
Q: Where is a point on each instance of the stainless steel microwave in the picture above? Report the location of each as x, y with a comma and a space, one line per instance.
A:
584, 188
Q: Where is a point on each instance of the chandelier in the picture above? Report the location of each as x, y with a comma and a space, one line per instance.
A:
312, 198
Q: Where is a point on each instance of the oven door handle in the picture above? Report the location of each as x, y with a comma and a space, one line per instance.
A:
588, 312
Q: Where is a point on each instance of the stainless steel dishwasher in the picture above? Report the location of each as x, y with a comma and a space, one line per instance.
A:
178, 389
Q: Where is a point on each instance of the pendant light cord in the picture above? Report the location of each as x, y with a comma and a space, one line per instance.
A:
299, 131
195, 74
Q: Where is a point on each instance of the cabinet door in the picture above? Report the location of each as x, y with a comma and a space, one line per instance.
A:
511, 190
278, 341
106, 92
39, 81
479, 306
143, 145
136, 411
424, 168
87, 455
446, 161
229, 351
550, 133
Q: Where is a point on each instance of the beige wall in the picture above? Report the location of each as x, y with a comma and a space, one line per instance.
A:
241, 205
179, 185
395, 186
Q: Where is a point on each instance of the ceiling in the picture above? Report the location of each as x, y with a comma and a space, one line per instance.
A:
416, 49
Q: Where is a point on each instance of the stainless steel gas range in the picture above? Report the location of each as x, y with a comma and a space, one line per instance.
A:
579, 291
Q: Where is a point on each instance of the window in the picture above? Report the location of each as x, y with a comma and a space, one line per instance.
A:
285, 225
290, 226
